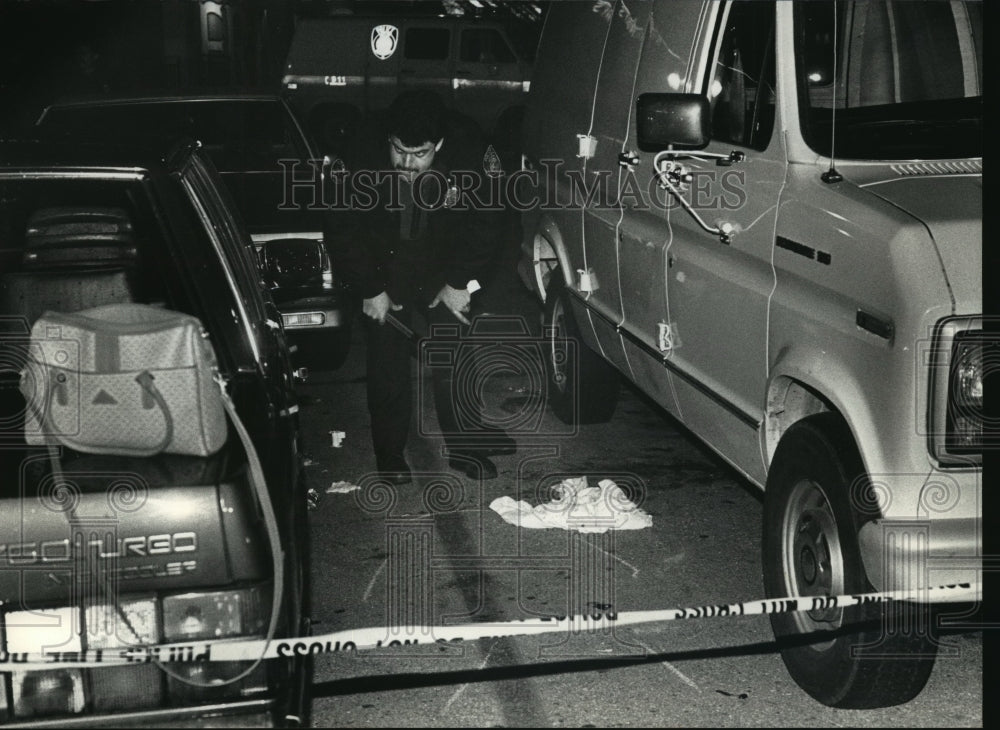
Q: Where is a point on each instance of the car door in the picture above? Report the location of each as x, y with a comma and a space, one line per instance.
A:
719, 253
261, 387
265, 376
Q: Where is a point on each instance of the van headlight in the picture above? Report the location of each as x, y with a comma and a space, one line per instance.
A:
962, 355
965, 395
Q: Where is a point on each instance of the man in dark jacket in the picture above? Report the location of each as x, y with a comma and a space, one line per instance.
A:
406, 248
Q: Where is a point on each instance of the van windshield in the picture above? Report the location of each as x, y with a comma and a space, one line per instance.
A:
904, 78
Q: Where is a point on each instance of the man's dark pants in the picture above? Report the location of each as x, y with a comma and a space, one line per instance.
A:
390, 398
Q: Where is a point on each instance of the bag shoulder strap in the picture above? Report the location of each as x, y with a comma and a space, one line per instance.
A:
259, 484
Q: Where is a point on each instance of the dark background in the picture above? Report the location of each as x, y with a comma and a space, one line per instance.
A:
55, 48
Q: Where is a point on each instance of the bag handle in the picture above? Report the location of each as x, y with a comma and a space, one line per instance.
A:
145, 380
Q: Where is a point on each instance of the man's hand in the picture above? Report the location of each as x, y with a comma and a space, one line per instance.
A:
377, 307
456, 300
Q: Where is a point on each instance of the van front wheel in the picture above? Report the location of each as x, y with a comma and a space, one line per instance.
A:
581, 387
815, 501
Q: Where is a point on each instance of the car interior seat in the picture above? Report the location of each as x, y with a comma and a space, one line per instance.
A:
72, 258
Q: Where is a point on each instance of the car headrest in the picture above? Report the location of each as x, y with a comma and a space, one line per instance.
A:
76, 224
79, 236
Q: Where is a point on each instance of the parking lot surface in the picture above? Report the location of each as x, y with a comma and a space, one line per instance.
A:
433, 553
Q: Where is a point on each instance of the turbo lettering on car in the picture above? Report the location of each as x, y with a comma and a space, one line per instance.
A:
60, 551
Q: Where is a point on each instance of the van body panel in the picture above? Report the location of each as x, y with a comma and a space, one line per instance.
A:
942, 551
881, 262
653, 377
487, 75
667, 54
823, 294
560, 105
951, 208
549, 133
717, 291
333, 62
604, 236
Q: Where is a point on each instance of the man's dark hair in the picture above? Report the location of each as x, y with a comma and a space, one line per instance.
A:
416, 117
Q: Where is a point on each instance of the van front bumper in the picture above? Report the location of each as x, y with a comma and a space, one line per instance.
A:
914, 554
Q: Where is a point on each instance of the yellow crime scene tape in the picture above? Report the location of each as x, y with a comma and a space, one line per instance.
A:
375, 637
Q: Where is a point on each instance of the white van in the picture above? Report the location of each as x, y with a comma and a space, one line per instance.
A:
768, 216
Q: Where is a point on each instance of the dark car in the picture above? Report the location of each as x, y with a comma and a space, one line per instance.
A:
183, 551
299, 277
258, 146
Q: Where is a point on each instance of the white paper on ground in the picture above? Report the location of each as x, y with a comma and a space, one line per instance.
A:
341, 488
577, 507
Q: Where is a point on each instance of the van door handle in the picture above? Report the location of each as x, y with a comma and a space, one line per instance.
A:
628, 159
734, 156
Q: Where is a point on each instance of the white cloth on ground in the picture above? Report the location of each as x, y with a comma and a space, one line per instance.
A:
577, 507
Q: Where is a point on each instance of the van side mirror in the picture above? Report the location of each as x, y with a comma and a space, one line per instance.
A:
673, 120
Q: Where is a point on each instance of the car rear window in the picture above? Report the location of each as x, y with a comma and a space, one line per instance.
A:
69, 244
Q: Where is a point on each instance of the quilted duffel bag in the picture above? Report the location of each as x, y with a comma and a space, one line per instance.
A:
127, 379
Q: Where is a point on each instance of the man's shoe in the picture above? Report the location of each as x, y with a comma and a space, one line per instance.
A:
473, 465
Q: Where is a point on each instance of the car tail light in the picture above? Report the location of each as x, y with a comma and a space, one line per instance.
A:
303, 319
195, 616
52, 692
133, 621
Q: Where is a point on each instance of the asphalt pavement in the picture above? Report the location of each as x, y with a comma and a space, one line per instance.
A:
432, 553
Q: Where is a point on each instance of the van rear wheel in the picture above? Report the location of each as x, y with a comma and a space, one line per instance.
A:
581, 387
815, 502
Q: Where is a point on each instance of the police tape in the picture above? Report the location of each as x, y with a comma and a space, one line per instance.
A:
353, 640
